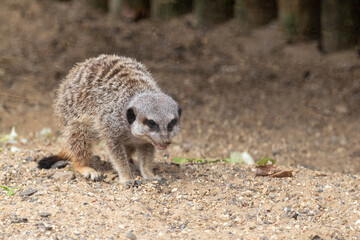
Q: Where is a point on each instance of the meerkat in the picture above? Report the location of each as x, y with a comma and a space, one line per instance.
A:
114, 99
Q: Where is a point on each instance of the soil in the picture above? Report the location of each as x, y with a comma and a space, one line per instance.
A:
240, 91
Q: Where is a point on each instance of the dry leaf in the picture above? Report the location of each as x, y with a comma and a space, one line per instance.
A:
265, 170
272, 171
282, 174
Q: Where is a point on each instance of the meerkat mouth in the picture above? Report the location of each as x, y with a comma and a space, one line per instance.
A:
161, 146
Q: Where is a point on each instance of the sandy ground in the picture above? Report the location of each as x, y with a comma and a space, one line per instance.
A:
239, 92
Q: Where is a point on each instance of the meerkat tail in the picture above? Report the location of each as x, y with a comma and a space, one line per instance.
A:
48, 162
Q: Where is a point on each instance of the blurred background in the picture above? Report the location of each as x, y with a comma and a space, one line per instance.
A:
276, 78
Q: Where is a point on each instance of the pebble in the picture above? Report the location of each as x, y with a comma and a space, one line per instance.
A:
131, 236
45, 226
28, 192
287, 210
33, 199
63, 176
19, 220
44, 214
60, 164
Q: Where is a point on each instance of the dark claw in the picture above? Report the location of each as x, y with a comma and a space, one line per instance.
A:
99, 178
133, 184
161, 181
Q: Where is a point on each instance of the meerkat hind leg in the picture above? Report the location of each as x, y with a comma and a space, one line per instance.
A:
79, 144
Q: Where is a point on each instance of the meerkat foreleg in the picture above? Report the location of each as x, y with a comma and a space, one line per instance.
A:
78, 144
146, 161
119, 160
129, 152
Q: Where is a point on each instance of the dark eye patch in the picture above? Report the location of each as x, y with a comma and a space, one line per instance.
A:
152, 125
171, 124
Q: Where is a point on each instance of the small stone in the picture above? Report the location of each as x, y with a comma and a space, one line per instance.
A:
131, 236
60, 164
63, 176
287, 210
316, 237
48, 227
44, 214
18, 220
295, 216
45, 226
28, 192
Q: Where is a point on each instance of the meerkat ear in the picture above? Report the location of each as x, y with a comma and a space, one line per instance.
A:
179, 111
130, 115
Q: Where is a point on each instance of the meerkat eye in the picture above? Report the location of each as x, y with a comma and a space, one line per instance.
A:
152, 125
171, 124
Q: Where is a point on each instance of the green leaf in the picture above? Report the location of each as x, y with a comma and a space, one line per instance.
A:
227, 160
9, 138
213, 161
181, 160
10, 190
200, 160
235, 157
193, 160
264, 161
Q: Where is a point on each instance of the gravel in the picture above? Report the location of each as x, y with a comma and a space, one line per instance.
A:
197, 202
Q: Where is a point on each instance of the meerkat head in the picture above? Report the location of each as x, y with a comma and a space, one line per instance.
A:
154, 117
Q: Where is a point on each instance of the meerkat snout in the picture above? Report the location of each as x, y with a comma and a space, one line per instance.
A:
155, 118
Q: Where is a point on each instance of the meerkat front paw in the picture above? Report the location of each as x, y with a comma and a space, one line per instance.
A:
132, 184
88, 172
159, 180
156, 178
